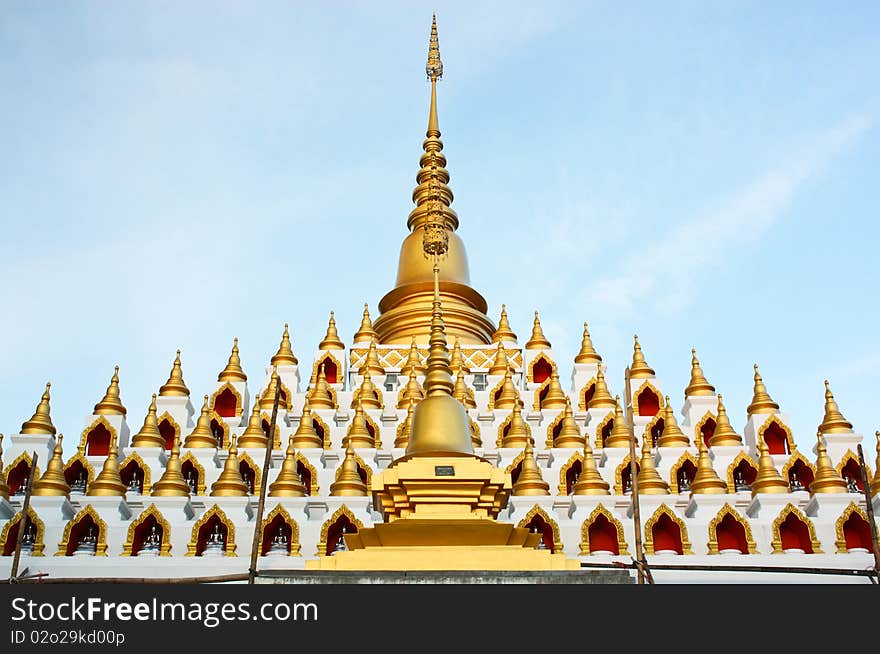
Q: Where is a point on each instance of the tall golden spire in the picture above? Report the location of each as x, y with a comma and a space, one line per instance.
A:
827, 479
530, 481
253, 435
503, 332
331, 338
724, 433
537, 341
834, 422
768, 479
232, 371
640, 367
590, 482
348, 483
175, 386
202, 436
761, 400
587, 353
706, 480
52, 482
41, 421
556, 397
306, 436
457, 360
172, 482
650, 481
672, 435
109, 483
288, 482
699, 384
284, 356
4, 488
518, 432
619, 436
110, 404
501, 363
149, 435
267, 399
601, 396
365, 332
230, 482
414, 365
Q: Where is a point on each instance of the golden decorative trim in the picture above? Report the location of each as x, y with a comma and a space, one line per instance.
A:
682, 529
618, 474
792, 446
39, 540
79, 457
713, 526
244, 457
100, 420
24, 456
230, 545
849, 455
530, 376
377, 433
517, 460
657, 417
326, 444
538, 511
552, 425
609, 417
136, 458
171, 421
582, 394
295, 545
840, 543
165, 544
495, 391
536, 404
585, 531
223, 441
791, 509
341, 511
357, 392
238, 399
698, 428
340, 371
792, 460
577, 457
673, 471
742, 456
89, 511
641, 389
201, 484
313, 485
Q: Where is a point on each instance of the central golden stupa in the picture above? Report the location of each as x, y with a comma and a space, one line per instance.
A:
440, 501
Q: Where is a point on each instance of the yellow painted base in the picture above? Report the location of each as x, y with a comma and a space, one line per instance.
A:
456, 557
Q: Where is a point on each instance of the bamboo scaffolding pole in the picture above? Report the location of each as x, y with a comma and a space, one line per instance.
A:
644, 572
22, 522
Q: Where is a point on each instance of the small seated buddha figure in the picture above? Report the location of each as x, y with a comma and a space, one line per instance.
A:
88, 543
684, 483
627, 485
795, 483
152, 544
541, 545
216, 544
280, 545
340, 544
22, 489
851, 484
739, 482
135, 486
191, 481
28, 539
78, 487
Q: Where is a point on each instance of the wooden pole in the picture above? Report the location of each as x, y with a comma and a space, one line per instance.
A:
866, 488
256, 546
22, 522
642, 563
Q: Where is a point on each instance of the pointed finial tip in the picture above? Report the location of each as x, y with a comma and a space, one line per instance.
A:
756, 367
178, 352
48, 385
331, 313
235, 340
827, 385
694, 351
116, 368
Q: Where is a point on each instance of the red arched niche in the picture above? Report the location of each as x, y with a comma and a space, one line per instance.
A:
852, 471
731, 535
342, 526
142, 531
98, 441
648, 402
776, 439
331, 373
207, 529
74, 471
666, 534
132, 471
305, 475
857, 532
189, 470
217, 432
656, 430
79, 530
538, 524
707, 430
12, 536
626, 479
747, 471
541, 371
166, 429
271, 531
602, 536
589, 392
248, 475
686, 471
18, 476
225, 403
803, 472
571, 476
794, 534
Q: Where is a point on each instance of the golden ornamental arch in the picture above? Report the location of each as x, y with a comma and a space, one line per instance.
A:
604, 422
340, 369
840, 542
618, 474
134, 457
341, 511
150, 511
377, 433
513, 464
582, 394
850, 456
494, 393
576, 458
585, 531
224, 427
100, 420
244, 457
792, 446
313, 486
265, 418
24, 456
475, 433
167, 417
542, 356
101, 549
641, 389
676, 467
215, 510
238, 399
201, 484
792, 461
742, 456
84, 462
553, 424
536, 403
279, 510
658, 417
698, 428
501, 427
325, 430
791, 509
39, 539
401, 428
538, 511
713, 527
662, 510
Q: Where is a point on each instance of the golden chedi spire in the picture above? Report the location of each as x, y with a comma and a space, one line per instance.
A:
530, 481
639, 368
366, 393
253, 435
706, 480
172, 482
175, 386
650, 481
587, 352
232, 372
371, 363
41, 421
501, 362
267, 398
724, 433
619, 436
672, 435
108, 482
284, 356
230, 482
537, 341
111, 404
320, 396
414, 365
509, 395
288, 482
331, 339
412, 392
305, 435
875, 482
556, 397
590, 482
569, 435
403, 434
833, 422
149, 435
761, 400
348, 482
358, 436
699, 384
768, 479
4, 488
52, 483
202, 436
827, 479
518, 432
503, 332
457, 361
365, 332
461, 392
602, 398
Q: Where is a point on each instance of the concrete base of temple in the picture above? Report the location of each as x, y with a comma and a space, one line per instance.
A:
446, 577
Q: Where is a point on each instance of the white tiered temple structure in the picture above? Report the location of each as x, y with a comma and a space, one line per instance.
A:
175, 492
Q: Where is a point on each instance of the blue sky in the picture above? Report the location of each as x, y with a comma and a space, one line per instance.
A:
702, 174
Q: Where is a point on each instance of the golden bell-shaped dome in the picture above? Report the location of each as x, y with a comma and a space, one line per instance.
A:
602, 398
149, 435
530, 481
412, 392
284, 356
52, 483
305, 435
509, 395
569, 435
371, 363
537, 341
348, 482
590, 482
288, 482
639, 368
108, 482
253, 435
41, 421
202, 436
768, 479
706, 480
366, 393
461, 392
230, 482
587, 352
111, 404
555, 397
457, 361
875, 482
365, 333
518, 432
403, 434
833, 422
4, 488
699, 384
827, 479
175, 386
233, 371
650, 481
358, 436
331, 339
267, 398
503, 332
724, 433
619, 436
761, 400
672, 435
501, 362
320, 396
172, 482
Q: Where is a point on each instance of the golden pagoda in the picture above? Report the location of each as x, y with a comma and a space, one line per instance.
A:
414, 366
672, 435
108, 482
284, 356
833, 422
41, 421
305, 435
650, 481
639, 368
52, 482
175, 386
358, 436
827, 479
172, 482
319, 396
462, 393
233, 371
619, 436
348, 481
253, 435
331, 340
761, 400
201, 435
724, 433
509, 393
503, 332
698, 385
288, 482
457, 361
500, 364
230, 482
537, 341
602, 398
590, 482
706, 480
413, 392
404, 431
365, 332
768, 479
587, 353
518, 431
555, 397
111, 404
366, 394
371, 364
569, 435
149, 435
530, 481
